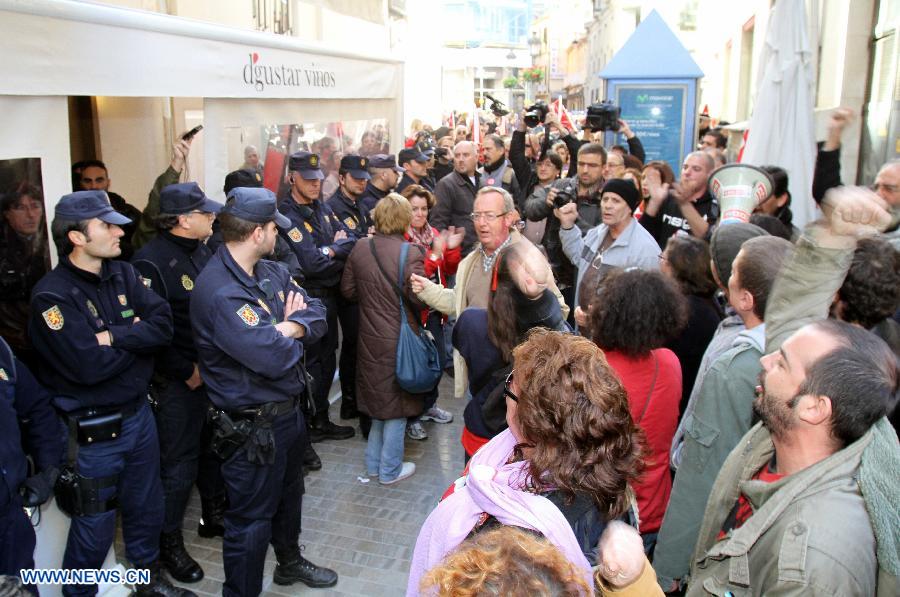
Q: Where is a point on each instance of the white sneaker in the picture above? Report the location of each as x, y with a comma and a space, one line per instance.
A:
406, 470
416, 431
438, 415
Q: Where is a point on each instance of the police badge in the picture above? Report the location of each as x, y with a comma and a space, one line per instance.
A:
123, 300
350, 223
187, 282
53, 317
248, 315
92, 309
309, 227
295, 235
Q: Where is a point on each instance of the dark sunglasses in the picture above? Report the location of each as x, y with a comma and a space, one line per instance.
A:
506, 391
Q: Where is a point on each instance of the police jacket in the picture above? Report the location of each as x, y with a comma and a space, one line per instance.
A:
23, 400
244, 360
354, 215
312, 231
407, 180
169, 265
371, 196
69, 306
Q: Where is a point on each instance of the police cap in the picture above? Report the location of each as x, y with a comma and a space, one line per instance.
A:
307, 164
185, 197
255, 205
86, 205
412, 155
242, 178
356, 166
381, 160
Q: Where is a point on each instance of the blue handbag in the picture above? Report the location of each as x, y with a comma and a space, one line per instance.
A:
418, 370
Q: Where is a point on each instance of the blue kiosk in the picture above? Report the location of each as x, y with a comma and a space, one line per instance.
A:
653, 79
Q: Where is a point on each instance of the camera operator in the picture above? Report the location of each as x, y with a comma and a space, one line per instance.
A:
524, 168
443, 159
579, 194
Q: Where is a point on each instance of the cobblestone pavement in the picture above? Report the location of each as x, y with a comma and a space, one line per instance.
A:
366, 532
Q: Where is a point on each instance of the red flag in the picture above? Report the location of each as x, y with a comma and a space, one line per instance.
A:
743, 145
560, 110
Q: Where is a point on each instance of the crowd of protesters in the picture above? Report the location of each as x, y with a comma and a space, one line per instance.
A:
656, 401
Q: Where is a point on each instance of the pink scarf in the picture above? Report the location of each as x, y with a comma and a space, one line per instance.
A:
495, 487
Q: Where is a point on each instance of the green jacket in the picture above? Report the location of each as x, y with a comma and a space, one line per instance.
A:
722, 415
146, 229
809, 534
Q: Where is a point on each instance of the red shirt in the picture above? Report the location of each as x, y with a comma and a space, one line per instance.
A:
742, 509
659, 423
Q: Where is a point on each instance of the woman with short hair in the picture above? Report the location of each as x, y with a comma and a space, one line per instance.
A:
371, 277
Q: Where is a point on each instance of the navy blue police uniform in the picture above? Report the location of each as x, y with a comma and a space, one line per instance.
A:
25, 406
101, 391
254, 376
311, 236
169, 264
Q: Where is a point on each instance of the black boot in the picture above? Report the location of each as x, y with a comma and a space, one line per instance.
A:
212, 517
348, 407
292, 566
321, 428
159, 585
311, 460
177, 560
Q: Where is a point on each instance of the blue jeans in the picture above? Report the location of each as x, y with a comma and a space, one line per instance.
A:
384, 452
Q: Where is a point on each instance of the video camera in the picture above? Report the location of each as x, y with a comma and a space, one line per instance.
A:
603, 116
536, 114
497, 108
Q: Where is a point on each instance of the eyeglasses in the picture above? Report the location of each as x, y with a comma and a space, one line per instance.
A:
487, 217
506, 391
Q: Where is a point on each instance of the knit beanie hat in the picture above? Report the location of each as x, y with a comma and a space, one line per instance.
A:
624, 189
726, 244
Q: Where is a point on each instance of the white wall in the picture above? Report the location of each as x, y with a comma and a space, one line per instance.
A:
38, 127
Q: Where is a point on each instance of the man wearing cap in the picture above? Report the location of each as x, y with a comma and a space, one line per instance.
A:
383, 174
169, 265
322, 243
252, 326
349, 205
415, 166
96, 327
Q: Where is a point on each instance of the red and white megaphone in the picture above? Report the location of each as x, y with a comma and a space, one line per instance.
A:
739, 188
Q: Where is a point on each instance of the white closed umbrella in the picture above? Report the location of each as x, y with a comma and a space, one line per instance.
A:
782, 130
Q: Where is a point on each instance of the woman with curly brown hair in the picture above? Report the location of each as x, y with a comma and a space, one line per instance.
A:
562, 468
631, 319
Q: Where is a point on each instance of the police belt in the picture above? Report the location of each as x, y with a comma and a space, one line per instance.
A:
281, 409
321, 291
126, 410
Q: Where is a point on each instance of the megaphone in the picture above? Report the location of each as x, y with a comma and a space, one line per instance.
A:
739, 188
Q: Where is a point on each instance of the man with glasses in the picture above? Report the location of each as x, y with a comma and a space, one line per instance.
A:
169, 264
493, 220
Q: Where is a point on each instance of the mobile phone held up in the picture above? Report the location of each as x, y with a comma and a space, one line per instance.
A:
190, 134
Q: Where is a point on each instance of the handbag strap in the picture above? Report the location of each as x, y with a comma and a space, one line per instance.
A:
652, 386
404, 251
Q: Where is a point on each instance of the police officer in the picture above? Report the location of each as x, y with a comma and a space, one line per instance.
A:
346, 205
383, 177
169, 264
322, 244
252, 326
415, 166
96, 327
23, 399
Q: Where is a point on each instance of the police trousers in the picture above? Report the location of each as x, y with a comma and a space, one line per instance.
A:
134, 457
184, 437
16, 535
348, 314
264, 503
321, 362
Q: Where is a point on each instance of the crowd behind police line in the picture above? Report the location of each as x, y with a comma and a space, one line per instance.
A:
229, 319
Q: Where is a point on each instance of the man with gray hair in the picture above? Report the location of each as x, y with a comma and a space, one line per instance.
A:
251, 160
456, 195
687, 205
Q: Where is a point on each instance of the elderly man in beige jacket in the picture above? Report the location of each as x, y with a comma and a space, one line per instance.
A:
494, 217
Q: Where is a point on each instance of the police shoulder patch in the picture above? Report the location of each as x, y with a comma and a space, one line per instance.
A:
147, 281
187, 282
123, 300
248, 315
295, 235
308, 226
350, 223
3, 375
53, 317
